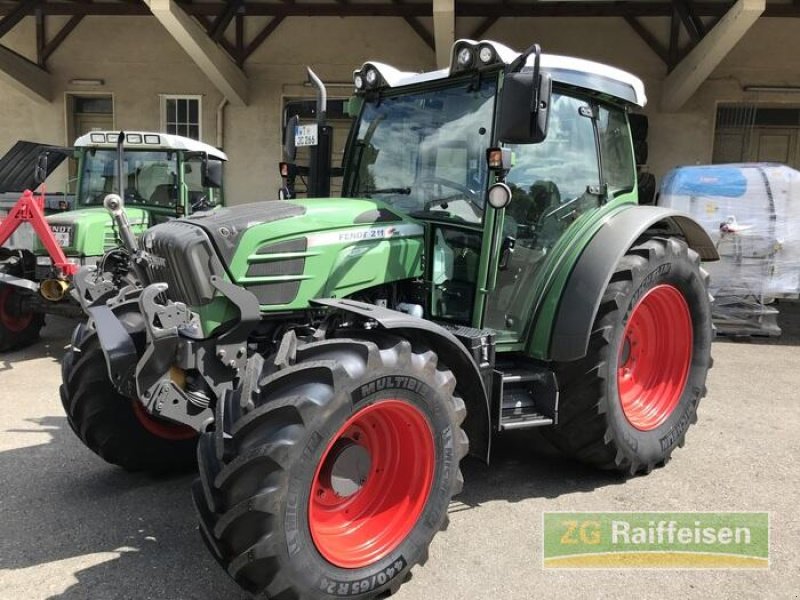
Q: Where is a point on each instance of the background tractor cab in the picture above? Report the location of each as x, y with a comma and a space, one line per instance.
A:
161, 176
165, 174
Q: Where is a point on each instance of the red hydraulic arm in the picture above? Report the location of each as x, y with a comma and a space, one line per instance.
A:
30, 209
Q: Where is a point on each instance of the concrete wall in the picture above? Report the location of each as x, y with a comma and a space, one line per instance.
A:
138, 60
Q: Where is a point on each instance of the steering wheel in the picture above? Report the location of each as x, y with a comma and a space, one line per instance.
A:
464, 193
201, 203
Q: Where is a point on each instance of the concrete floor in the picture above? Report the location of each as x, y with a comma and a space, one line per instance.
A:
72, 527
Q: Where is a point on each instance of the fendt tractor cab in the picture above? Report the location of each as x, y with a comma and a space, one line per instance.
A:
162, 177
330, 361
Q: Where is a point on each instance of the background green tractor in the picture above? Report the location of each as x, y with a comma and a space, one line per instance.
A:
163, 177
488, 269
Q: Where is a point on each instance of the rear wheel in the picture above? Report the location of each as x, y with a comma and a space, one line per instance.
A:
117, 428
19, 326
333, 474
630, 401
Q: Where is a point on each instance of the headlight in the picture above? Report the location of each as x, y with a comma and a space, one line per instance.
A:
465, 57
358, 81
371, 77
486, 55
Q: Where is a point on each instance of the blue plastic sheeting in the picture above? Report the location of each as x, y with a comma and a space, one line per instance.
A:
726, 181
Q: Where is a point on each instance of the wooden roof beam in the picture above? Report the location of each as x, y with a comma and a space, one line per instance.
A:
212, 60
444, 30
700, 62
24, 76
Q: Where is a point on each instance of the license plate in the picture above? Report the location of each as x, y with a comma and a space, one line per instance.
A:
305, 135
61, 235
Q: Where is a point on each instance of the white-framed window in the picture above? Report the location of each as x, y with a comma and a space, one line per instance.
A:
182, 115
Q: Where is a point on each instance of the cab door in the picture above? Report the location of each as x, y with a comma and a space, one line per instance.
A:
553, 183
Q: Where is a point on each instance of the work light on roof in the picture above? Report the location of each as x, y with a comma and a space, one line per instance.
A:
486, 55
465, 57
358, 81
371, 76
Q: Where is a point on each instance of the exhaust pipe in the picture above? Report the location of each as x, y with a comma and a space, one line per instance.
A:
116, 207
53, 290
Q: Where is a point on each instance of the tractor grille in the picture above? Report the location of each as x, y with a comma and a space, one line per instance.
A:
110, 240
266, 279
181, 255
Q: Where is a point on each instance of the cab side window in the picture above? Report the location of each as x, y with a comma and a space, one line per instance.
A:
549, 180
619, 171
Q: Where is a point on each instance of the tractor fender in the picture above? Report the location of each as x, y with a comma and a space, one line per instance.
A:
580, 298
478, 424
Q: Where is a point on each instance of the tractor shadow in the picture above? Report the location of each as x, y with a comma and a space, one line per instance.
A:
525, 466
74, 527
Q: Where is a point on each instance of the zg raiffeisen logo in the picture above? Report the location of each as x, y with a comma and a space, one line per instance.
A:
656, 540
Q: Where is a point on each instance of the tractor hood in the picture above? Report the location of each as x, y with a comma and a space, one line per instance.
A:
89, 231
17, 166
288, 252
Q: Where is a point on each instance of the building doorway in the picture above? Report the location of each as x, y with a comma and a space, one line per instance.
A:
86, 113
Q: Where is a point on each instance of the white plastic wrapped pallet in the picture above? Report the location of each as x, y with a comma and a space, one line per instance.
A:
752, 212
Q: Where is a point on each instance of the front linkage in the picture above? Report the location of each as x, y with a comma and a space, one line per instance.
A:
173, 344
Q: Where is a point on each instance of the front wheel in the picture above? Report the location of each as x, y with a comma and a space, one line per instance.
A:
117, 428
628, 404
332, 475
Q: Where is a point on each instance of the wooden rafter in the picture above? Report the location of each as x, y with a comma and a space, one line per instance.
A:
483, 27
41, 35
261, 37
224, 19
19, 12
59, 37
674, 39
648, 38
421, 31
691, 22
417, 26
240, 35
229, 48
353, 8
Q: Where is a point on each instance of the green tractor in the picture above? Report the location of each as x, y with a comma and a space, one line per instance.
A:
328, 362
163, 177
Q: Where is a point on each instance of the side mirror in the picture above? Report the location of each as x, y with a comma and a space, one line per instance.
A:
289, 148
525, 102
40, 170
212, 173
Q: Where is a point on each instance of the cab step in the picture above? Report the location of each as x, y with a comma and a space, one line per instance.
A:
528, 397
523, 420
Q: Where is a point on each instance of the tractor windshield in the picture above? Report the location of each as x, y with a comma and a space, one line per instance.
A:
425, 152
151, 177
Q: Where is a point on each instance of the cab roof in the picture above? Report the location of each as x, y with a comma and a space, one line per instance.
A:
577, 72
144, 140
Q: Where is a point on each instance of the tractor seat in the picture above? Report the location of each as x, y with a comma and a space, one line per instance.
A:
164, 194
530, 206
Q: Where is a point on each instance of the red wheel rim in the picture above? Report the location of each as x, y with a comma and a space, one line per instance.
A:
13, 323
162, 429
385, 454
655, 356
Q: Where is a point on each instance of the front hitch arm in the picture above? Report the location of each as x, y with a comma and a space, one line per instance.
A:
155, 387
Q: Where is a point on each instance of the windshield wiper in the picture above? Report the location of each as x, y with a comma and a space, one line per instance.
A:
405, 191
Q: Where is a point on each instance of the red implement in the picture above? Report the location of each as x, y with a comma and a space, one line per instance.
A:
30, 209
